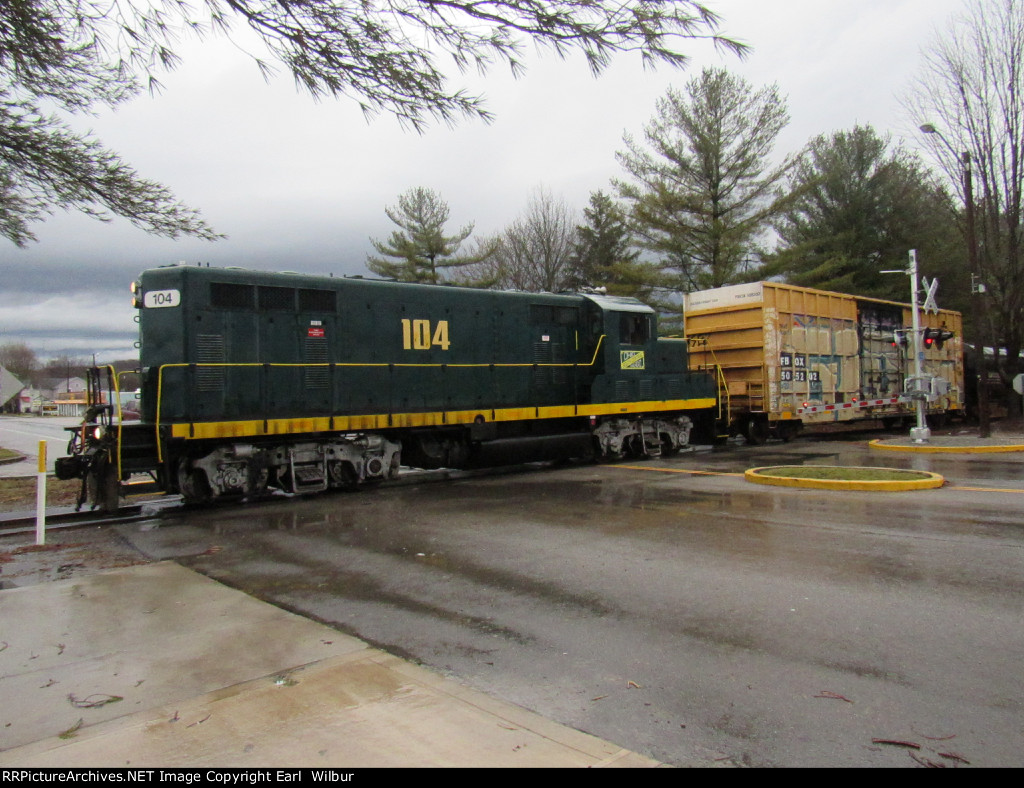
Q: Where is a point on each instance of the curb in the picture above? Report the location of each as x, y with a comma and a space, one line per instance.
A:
927, 449
763, 476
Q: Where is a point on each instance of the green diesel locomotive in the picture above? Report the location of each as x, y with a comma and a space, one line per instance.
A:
255, 381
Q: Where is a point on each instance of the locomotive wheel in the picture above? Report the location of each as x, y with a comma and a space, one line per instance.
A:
613, 455
194, 487
667, 449
343, 476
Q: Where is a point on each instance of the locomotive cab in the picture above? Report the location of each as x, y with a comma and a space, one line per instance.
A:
646, 374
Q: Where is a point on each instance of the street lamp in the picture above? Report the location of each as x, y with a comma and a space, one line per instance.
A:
981, 312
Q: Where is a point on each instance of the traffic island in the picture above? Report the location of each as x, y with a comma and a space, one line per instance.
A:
9, 456
958, 444
828, 477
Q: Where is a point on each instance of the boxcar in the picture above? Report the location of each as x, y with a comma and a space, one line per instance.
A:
791, 356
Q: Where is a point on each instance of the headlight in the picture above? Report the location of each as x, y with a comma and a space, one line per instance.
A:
97, 433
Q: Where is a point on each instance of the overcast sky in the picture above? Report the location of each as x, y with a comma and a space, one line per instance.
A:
302, 186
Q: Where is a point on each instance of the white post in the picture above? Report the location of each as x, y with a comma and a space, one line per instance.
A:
41, 496
921, 433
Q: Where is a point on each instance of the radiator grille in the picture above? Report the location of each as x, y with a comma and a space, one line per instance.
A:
210, 350
316, 353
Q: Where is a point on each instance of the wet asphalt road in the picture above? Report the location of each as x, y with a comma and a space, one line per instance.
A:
24, 433
690, 617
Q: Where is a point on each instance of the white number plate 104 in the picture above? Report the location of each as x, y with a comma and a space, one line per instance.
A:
154, 299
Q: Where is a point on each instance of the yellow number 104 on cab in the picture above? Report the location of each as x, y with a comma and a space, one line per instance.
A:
419, 335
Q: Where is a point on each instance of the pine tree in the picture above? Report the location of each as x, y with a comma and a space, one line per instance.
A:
703, 188
858, 205
605, 254
419, 247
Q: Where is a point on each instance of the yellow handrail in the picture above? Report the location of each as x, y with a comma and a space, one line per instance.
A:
724, 397
112, 378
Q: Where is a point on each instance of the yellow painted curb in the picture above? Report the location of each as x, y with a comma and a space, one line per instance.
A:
879, 444
763, 476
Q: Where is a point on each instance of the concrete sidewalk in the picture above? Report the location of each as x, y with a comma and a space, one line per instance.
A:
158, 666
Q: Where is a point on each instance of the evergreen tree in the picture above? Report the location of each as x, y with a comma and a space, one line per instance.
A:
859, 206
703, 188
605, 255
52, 59
419, 247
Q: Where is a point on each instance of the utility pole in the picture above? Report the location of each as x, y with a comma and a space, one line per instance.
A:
977, 287
978, 297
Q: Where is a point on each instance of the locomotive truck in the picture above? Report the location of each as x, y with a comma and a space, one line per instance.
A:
254, 382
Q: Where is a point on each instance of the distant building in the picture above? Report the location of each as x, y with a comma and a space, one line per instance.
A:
69, 395
63, 385
65, 396
71, 404
55, 396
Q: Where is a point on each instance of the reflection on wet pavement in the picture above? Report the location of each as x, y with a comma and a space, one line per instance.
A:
671, 595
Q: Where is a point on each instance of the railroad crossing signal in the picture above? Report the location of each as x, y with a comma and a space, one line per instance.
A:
936, 337
929, 299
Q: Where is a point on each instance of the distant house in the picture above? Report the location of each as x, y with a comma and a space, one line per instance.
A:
63, 385
31, 400
10, 390
57, 396
69, 395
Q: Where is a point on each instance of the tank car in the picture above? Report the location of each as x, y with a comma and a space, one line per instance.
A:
256, 381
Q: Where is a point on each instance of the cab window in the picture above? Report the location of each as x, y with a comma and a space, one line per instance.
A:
634, 329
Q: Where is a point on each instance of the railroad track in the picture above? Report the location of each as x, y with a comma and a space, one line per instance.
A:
60, 518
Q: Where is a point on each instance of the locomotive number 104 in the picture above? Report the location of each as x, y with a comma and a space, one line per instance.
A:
420, 335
